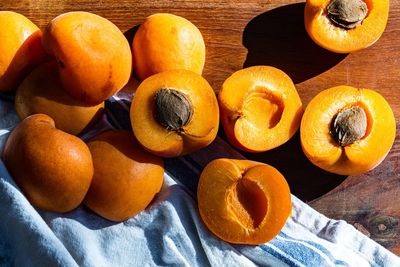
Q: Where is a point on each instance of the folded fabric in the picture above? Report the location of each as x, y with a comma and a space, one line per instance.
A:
169, 232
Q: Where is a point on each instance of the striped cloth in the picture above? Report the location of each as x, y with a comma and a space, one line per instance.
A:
169, 232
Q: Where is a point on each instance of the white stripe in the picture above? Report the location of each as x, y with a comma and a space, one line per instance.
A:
326, 258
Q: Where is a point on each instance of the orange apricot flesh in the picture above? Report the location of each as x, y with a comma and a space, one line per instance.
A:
242, 201
337, 39
260, 108
201, 122
323, 150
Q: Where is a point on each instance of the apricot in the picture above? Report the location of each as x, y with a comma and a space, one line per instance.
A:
52, 168
93, 55
20, 48
346, 130
242, 201
174, 113
345, 26
41, 92
166, 42
126, 177
260, 108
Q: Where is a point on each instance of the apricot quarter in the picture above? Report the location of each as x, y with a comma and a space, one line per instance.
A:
346, 130
126, 177
166, 42
41, 92
93, 55
53, 169
174, 113
260, 108
345, 26
242, 201
20, 48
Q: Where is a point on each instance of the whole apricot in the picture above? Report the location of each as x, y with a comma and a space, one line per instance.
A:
20, 48
52, 168
347, 130
344, 26
41, 92
242, 201
260, 108
174, 113
126, 177
166, 42
93, 55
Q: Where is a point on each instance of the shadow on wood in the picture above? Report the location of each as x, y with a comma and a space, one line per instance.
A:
278, 38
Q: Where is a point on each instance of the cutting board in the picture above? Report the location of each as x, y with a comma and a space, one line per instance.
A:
245, 33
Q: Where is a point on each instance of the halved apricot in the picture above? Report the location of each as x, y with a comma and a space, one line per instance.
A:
174, 113
344, 26
126, 177
242, 201
42, 92
93, 55
166, 42
346, 130
260, 108
20, 48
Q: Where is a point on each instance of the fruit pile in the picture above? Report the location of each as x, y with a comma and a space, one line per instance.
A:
63, 75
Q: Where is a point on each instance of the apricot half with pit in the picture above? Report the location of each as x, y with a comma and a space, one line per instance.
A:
126, 177
52, 168
260, 108
42, 92
174, 113
166, 42
346, 130
20, 48
345, 26
93, 55
242, 201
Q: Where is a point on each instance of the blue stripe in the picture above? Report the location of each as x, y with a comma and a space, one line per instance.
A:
278, 255
319, 247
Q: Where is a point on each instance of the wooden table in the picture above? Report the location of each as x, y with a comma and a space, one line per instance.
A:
245, 33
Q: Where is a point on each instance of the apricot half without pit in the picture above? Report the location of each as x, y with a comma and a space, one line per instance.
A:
242, 201
174, 113
347, 130
53, 169
93, 55
260, 108
126, 177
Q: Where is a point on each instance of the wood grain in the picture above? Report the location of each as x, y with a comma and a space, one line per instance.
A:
245, 33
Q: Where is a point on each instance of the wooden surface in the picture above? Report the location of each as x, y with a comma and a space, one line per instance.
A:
245, 33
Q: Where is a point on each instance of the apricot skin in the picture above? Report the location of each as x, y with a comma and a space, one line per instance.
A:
166, 42
324, 151
53, 169
41, 92
242, 201
126, 177
94, 56
20, 49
